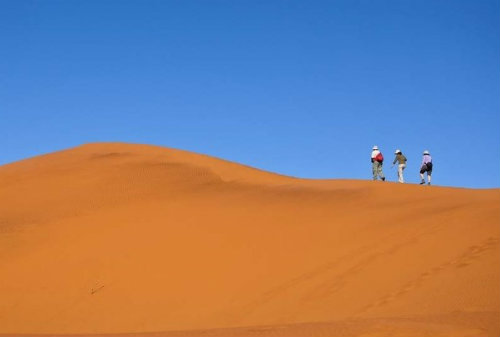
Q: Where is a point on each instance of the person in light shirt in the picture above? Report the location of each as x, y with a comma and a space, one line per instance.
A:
426, 167
377, 162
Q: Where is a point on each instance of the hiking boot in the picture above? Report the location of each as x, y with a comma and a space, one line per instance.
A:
428, 183
422, 182
383, 178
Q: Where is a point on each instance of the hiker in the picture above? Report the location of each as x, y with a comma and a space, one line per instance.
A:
401, 159
426, 167
377, 162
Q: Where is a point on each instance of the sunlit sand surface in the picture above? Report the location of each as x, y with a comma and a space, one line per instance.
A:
135, 240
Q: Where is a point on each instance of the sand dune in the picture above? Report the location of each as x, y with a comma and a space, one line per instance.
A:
148, 241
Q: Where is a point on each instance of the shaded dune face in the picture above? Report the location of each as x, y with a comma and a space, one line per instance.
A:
118, 238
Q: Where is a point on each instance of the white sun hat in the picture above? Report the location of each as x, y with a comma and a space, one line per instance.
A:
375, 147
397, 151
426, 152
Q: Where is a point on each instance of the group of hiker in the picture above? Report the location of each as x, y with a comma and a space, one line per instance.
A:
378, 159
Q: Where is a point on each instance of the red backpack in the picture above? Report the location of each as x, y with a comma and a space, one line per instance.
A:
379, 157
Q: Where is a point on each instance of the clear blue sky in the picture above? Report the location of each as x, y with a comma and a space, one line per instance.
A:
303, 88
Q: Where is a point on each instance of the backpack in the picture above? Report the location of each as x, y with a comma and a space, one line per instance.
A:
379, 157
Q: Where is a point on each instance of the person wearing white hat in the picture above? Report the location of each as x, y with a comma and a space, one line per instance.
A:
401, 159
377, 162
426, 167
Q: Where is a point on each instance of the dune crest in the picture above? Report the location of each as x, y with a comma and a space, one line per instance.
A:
118, 238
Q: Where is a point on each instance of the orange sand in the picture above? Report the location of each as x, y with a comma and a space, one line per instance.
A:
117, 238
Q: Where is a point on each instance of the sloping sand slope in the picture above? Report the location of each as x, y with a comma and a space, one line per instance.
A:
117, 238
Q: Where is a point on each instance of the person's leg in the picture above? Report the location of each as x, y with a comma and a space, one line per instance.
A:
429, 175
374, 170
400, 172
422, 171
380, 172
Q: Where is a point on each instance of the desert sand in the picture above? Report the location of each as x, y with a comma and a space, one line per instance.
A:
135, 240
